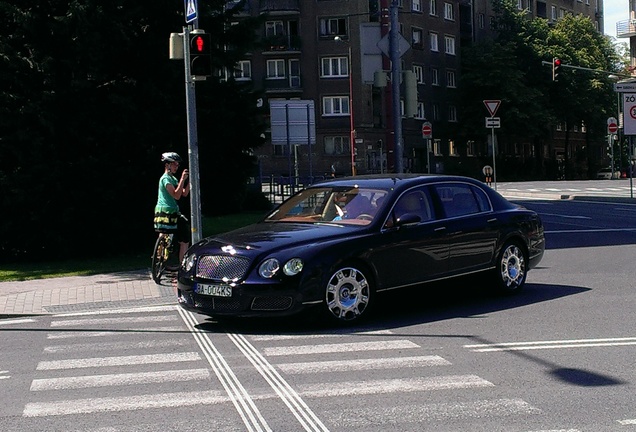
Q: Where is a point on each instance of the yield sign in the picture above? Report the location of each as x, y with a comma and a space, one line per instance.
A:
492, 106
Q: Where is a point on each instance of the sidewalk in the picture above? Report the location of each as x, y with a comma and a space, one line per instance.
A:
84, 293
136, 288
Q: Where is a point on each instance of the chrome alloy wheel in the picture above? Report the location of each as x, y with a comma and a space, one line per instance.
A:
347, 294
512, 267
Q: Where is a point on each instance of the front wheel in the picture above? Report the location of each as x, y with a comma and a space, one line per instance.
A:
348, 294
511, 271
159, 258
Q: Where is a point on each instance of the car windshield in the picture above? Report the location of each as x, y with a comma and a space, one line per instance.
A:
342, 205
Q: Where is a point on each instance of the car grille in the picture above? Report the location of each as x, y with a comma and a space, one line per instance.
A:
271, 303
217, 304
222, 267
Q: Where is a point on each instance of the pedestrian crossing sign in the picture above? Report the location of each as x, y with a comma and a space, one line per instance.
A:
190, 10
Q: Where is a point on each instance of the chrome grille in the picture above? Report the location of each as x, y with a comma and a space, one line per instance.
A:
222, 267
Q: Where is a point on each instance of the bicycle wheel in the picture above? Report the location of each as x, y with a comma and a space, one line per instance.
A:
159, 258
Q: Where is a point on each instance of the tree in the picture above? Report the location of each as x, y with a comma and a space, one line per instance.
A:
90, 100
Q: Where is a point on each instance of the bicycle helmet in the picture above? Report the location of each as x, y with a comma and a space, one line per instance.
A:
170, 157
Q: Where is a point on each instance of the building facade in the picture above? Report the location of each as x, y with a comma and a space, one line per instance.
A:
334, 53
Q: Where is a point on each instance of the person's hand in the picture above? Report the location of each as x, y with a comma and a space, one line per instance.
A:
184, 175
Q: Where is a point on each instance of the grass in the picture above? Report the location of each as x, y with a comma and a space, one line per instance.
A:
134, 261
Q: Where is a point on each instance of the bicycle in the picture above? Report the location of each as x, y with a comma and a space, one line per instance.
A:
165, 253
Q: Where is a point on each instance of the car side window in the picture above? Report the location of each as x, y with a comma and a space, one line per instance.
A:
415, 202
459, 199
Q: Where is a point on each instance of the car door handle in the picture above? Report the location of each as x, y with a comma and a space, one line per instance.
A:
492, 220
439, 229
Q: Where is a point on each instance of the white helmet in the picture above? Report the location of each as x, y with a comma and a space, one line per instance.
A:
170, 157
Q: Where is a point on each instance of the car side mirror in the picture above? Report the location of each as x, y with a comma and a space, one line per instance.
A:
408, 219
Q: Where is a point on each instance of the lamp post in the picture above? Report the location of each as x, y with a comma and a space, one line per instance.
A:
352, 130
616, 78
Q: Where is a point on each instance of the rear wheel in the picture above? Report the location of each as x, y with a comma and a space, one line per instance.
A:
347, 294
159, 257
512, 268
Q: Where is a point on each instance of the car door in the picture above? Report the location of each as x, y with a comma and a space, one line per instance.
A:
414, 252
472, 227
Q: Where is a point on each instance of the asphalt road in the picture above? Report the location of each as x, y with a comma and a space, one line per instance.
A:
444, 357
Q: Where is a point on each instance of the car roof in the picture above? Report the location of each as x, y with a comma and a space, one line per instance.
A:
394, 181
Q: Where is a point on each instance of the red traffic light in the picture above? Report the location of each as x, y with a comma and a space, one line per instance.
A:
200, 44
557, 62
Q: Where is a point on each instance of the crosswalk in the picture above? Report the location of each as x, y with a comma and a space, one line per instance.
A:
98, 372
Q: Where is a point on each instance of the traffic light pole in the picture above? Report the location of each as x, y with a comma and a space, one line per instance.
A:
193, 142
395, 87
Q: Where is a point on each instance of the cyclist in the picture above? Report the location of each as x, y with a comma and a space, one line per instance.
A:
168, 218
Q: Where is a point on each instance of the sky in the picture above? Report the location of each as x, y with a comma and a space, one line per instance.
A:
614, 11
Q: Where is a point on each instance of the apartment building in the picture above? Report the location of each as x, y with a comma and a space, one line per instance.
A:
333, 53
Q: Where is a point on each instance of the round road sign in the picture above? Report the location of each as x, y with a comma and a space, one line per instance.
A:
612, 128
427, 130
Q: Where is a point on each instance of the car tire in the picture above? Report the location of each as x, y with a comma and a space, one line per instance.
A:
511, 268
348, 294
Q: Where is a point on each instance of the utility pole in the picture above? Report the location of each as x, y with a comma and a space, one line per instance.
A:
396, 74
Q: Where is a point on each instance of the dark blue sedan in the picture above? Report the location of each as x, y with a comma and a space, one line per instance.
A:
333, 246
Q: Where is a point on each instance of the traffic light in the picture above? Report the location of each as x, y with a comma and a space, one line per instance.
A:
200, 54
556, 68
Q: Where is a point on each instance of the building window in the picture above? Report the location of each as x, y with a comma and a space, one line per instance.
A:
416, 5
243, 70
434, 76
553, 13
520, 4
333, 27
450, 79
294, 73
435, 112
419, 74
280, 149
434, 44
449, 12
452, 148
416, 37
432, 7
470, 148
437, 147
334, 67
274, 28
421, 114
275, 69
337, 145
449, 44
481, 20
452, 113
333, 106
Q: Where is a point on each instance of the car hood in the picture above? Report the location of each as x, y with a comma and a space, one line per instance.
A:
264, 237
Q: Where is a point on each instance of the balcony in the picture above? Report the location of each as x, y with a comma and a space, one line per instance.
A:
625, 29
280, 43
280, 7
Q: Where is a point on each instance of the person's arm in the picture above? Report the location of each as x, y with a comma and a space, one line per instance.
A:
180, 190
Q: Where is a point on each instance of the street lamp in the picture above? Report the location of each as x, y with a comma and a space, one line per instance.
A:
352, 131
615, 78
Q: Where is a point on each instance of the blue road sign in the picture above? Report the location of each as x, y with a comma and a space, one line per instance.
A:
191, 9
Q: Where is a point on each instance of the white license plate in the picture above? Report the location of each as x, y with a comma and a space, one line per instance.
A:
215, 290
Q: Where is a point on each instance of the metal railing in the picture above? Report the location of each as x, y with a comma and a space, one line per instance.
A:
278, 188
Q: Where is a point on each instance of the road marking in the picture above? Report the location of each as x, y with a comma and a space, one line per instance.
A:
116, 346
362, 364
3, 376
16, 321
130, 403
143, 309
565, 216
590, 230
627, 422
537, 345
355, 388
342, 347
387, 418
305, 416
323, 335
242, 401
117, 320
62, 334
91, 381
118, 361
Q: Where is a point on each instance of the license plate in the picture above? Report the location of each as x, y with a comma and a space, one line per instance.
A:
215, 290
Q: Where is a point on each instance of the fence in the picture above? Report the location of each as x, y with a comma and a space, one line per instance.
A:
278, 188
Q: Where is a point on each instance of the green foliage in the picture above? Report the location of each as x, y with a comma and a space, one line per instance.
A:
89, 101
510, 68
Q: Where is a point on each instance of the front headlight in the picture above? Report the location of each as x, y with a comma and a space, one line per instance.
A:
268, 268
293, 267
188, 262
